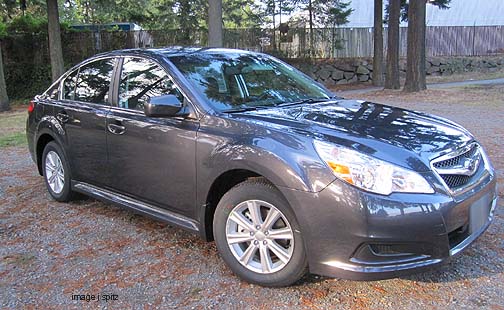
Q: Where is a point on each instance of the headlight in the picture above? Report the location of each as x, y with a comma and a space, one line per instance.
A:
369, 173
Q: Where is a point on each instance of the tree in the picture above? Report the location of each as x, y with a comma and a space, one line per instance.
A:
331, 14
310, 18
415, 58
415, 65
442, 4
4, 99
392, 77
270, 9
328, 13
159, 15
191, 16
54, 32
215, 23
237, 14
378, 43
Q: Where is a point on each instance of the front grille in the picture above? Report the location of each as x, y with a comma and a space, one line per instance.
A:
454, 169
385, 249
455, 180
457, 160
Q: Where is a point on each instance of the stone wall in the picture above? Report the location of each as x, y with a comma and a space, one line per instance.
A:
345, 71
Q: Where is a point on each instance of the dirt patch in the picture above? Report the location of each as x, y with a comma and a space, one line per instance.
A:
457, 77
485, 96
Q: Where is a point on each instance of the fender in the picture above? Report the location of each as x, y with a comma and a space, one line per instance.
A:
50, 125
284, 158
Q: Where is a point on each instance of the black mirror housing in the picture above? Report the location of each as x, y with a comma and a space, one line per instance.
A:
163, 106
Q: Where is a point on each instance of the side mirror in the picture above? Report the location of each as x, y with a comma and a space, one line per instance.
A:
164, 105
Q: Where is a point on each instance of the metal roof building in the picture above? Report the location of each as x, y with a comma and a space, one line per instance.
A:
460, 13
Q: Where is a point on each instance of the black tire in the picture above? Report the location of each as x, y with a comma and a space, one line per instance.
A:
66, 194
259, 189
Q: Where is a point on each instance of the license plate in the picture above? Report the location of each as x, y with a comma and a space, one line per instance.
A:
479, 213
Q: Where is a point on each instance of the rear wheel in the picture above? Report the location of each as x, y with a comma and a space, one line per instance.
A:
56, 172
258, 235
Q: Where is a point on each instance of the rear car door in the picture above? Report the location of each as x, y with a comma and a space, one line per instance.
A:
82, 110
151, 159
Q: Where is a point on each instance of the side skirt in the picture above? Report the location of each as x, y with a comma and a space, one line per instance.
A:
136, 205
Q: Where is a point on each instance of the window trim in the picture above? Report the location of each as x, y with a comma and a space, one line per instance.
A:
78, 69
62, 84
117, 79
109, 101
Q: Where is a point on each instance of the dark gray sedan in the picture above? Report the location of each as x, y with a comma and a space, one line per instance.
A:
247, 151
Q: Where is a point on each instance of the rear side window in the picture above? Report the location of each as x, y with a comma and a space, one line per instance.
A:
69, 86
142, 79
53, 92
93, 83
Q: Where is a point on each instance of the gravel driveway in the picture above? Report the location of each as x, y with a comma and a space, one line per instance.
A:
51, 251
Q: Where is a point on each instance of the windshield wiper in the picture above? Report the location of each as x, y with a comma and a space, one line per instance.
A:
241, 109
285, 104
252, 108
308, 100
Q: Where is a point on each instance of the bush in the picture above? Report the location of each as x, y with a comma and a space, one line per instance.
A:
27, 24
3, 30
24, 80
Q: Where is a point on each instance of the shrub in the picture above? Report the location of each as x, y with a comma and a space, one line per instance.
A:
27, 24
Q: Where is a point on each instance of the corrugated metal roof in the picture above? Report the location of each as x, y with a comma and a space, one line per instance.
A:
460, 13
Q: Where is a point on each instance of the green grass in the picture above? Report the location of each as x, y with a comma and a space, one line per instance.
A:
12, 128
18, 138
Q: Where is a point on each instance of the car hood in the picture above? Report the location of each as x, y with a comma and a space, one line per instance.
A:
386, 132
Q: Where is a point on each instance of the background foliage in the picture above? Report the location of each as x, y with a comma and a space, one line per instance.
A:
176, 22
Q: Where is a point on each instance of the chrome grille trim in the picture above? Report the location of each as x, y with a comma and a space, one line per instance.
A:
456, 169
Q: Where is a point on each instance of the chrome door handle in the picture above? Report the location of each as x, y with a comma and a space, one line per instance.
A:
116, 129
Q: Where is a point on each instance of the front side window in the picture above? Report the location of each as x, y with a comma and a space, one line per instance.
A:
93, 83
142, 79
69, 86
239, 80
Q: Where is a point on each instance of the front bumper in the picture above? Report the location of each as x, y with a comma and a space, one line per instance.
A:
352, 234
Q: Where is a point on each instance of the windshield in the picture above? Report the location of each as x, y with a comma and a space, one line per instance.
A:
233, 81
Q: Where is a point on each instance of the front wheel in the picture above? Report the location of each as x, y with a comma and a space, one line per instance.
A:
258, 236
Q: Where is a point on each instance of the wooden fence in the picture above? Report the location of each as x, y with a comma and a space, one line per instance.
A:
327, 43
358, 42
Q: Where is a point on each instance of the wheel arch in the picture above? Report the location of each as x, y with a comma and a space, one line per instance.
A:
40, 145
47, 130
221, 185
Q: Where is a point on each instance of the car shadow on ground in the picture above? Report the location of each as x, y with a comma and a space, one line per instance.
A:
468, 265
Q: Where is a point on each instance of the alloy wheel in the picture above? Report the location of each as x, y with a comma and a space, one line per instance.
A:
54, 171
259, 236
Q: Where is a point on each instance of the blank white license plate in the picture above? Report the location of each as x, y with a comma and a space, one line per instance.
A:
479, 212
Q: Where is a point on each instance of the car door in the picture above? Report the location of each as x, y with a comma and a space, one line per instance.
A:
83, 107
151, 159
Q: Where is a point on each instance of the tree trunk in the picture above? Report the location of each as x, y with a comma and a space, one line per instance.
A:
55, 52
378, 43
215, 23
274, 30
279, 24
415, 65
392, 77
310, 11
4, 100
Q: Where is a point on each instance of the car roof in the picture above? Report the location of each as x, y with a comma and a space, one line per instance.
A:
172, 51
